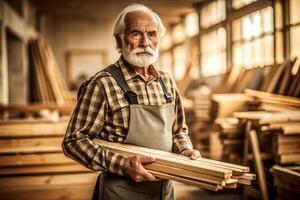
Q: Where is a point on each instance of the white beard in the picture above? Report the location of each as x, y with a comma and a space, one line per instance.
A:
140, 57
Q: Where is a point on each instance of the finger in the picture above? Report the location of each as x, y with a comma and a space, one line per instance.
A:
146, 159
195, 155
133, 164
139, 179
187, 153
147, 175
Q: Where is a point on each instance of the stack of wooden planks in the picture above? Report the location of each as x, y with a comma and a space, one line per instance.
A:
200, 117
281, 80
32, 163
204, 173
32, 110
286, 140
274, 102
47, 84
232, 138
287, 182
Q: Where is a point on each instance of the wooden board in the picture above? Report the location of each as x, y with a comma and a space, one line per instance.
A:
31, 145
50, 169
34, 159
181, 167
32, 129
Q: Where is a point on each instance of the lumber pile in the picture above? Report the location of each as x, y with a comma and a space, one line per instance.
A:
34, 110
200, 117
32, 163
281, 80
232, 138
204, 173
285, 140
287, 182
47, 84
278, 134
274, 102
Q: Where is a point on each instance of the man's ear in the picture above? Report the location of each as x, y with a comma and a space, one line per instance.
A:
119, 41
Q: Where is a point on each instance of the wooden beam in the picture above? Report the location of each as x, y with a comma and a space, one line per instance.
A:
34, 159
32, 128
31, 145
44, 170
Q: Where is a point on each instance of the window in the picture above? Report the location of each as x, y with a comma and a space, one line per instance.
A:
213, 39
295, 32
213, 13
253, 40
213, 53
166, 61
178, 33
236, 4
191, 24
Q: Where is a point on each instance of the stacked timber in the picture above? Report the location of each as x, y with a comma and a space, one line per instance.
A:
47, 84
281, 79
200, 117
287, 182
203, 173
32, 163
232, 138
230, 131
277, 131
274, 102
286, 140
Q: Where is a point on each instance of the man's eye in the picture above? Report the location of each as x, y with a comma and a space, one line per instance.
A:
152, 34
136, 35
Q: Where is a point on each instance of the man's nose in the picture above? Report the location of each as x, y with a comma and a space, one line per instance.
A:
144, 41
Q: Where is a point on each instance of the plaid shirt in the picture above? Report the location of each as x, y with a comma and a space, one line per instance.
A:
102, 111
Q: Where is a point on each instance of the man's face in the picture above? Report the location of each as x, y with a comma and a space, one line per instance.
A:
140, 39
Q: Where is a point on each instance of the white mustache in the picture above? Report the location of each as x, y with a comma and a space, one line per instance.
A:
143, 50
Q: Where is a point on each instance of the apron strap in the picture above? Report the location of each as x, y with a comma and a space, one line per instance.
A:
168, 96
118, 76
130, 95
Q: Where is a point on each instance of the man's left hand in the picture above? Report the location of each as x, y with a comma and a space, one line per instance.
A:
192, 153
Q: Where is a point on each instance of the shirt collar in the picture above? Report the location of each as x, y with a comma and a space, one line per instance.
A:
130, 73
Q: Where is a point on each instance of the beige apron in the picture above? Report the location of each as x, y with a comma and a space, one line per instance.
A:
151, 127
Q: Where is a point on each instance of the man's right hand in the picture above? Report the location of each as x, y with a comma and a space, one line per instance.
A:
134, 168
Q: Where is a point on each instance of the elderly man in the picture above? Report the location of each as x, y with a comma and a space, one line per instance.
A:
132, 102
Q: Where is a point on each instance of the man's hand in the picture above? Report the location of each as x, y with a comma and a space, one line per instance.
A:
134, 168
193, 153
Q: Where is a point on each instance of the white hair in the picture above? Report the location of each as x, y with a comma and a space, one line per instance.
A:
120, 23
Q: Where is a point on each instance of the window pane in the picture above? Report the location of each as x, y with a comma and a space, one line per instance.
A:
236, 30
178, 33
248, 56
268, 49
257, 53
236, 4
166, 61
213, 53
179, 62
192, 24
295, 41
256, 24
294, 10
279, 47
166, 42
267, 15
237, 55
278, 13
213, 13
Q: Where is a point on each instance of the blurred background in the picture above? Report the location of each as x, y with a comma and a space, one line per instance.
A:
227, 57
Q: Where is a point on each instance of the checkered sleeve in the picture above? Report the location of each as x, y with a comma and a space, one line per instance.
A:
181, 139
85, 124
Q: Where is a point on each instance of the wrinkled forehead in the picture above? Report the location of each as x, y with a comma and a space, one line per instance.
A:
140, 20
